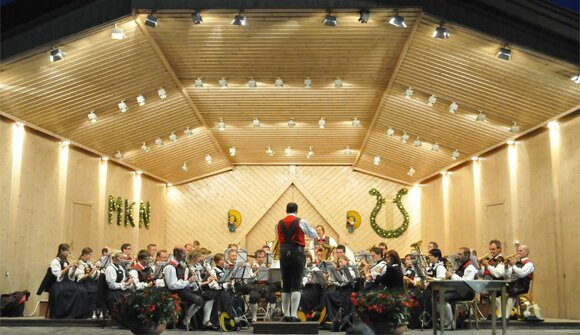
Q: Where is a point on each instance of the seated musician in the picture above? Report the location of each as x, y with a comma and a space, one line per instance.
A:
493, 268
161, 258
179, 280
195, 262
260, 289
392, 277
408, 271
225, 299
67, 299
87, 274
140, 272
310, 298
385, 248
318, 256
336, 298
437, 271
126, 257
520, 271
374, 272
117, 279
322, 239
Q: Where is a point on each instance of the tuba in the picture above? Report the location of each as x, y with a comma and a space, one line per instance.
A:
276, 249
327, 251
421, 260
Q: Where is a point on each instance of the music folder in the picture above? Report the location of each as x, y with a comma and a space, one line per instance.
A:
243, 272
262, 274
275, 275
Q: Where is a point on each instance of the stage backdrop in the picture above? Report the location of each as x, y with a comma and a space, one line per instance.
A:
527, 192
198, 211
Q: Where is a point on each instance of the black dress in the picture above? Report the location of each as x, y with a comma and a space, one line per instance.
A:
67, 299
90, 284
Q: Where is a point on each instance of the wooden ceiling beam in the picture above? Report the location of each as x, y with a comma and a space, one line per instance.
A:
180, 86
388, 89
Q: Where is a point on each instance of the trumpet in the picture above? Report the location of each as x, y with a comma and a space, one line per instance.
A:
486, 256
507, 259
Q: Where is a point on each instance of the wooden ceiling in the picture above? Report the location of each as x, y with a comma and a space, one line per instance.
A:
376, 62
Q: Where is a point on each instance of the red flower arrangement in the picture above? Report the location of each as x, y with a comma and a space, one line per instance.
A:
151, 306
383, 306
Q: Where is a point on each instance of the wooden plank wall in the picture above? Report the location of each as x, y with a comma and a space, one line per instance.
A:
528, 193
198, 211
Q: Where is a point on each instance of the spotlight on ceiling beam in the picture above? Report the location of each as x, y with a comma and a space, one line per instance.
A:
256, 123
240, 20
162, 93
405, 138
118, 33
397, 20
576, 79
310, 153
364, 16
480, 117
435, 147
151, 21
269, 152
504, 53
441, 32
123, 107
322, 123
173, 137
118, 155
56, 55
453, 107
208, 158
330, 20
221, 125
417, 143
515, 128
145, 148
196, 18
188, 132
233, 151
288, 151
141, 100
184, 167
159, 141
223, 82
291, 123
355, 122
431, 101
279, 82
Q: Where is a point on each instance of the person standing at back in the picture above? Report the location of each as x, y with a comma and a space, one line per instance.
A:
290, 231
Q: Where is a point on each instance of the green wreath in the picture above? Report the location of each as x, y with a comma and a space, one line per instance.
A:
144, 214
115, 205
386, 233
129, 213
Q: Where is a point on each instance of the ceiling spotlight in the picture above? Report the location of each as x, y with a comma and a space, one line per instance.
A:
553, 125
252, 83
184, 167
474, 158
431, 101
338, 82
269, 152
408, 93
256, 123
377, 160
169, 184
307, 82
398, 21
310, 153
411, 172
151, 21
455, 154
435, 147
355, 122
288, 151
208, 159
221, 125
123, 106
279, 82
329, 20
187, 132
198, 82
504, 53
480, 117
240, 20
347, 151
390, 131
291, 123
453, 107
173, 137
56, 55
65, 143
162, 93
510, 142
417, 142
321, 123
196, 18
441, 33
515, 128
92, 117
364, 16
576, 79
158, 141
139, 172
19, 124
405, 138
119, 155
145, 148
232, 151
117, 33
141, 100
223, 82
104, 158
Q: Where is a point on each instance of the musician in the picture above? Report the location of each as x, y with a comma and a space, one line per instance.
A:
195, 262
179, 280
196, 245
87, 274
291, 231
311, 291
260, 289
374, 272
437, 271
432, 245
493, 268
321, 238
337, 297
384, 247
116, 277
126, 258
161, 258
408, 271
392, 277
105, 258
67, 299
140, 272
520, 271
188, 248
319, 256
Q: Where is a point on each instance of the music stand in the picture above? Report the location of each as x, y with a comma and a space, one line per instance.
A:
275, 275
269, 258
262, 274
242, 255
318, 278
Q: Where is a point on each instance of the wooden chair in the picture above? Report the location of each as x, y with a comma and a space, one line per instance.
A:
522, 298
472, 310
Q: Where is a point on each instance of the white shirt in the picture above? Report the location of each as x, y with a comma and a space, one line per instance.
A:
80, 271
111, 278
171, 280
468, 274
516, 273
56, 270
133, 273
378, 270
440, 270
497, 271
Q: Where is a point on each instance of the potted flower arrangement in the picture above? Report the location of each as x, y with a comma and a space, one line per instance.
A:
148, 311
386, 312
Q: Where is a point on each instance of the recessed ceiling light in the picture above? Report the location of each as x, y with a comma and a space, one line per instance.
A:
104, 158
169, 184
138, 172
92, 117
65, 143
510, 142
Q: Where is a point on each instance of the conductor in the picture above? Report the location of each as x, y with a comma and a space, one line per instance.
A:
291, 230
